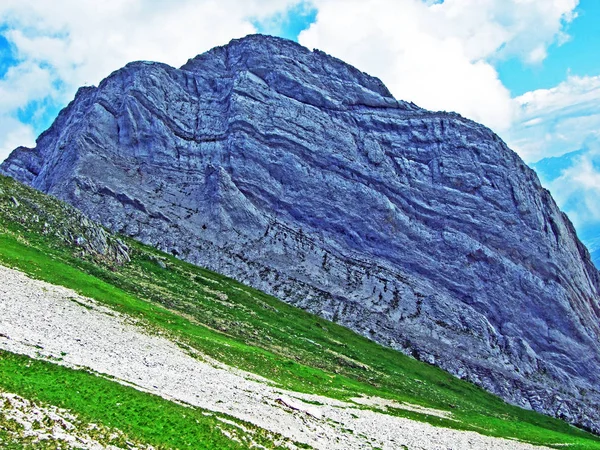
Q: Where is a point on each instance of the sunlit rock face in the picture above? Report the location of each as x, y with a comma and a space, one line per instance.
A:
300, 175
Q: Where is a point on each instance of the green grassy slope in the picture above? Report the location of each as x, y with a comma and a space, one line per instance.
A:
248, 329
141, 418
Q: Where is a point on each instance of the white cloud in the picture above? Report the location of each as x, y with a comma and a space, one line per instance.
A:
577, 191
24, 83
552, 122
21, 84
84, 40
523, 28
13, 134
441, 55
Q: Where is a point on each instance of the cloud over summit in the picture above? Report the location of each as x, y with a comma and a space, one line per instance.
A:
441, 55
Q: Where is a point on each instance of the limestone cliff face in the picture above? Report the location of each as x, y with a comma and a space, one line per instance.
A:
302, 176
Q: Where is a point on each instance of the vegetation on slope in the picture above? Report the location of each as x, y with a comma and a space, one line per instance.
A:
139, 417
248, 329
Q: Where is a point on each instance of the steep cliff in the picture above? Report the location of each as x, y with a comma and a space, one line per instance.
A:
300, 175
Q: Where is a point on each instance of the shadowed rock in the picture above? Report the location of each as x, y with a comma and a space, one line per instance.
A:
298, 174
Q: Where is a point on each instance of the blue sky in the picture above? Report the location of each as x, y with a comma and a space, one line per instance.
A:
288, 23
579, 56
6, 56
530, 70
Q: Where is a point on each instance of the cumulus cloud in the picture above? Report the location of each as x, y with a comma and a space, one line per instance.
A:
24, 83
552, 122
59, 46
85, 40
577, 190
441, 55
13, 134
502, 28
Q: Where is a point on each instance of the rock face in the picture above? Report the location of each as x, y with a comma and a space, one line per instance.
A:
64, 223
291, 171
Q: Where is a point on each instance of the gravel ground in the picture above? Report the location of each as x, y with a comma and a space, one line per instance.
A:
50, 426
46, 321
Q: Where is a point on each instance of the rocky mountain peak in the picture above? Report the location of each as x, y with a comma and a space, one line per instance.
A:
298, 174
290, 69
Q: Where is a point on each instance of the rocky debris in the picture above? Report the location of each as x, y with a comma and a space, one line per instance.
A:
385, 403
62, 221
32, 424
52, 322
296, 405
296, 173
159, 261
97, 241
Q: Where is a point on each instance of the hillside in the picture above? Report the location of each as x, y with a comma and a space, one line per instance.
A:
223, 327
298, 174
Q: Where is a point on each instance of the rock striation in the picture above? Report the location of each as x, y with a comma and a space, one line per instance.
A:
294, 172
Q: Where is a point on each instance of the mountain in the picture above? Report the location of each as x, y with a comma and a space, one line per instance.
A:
291, 171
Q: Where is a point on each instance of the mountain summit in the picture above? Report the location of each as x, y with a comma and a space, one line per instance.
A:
298, 174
